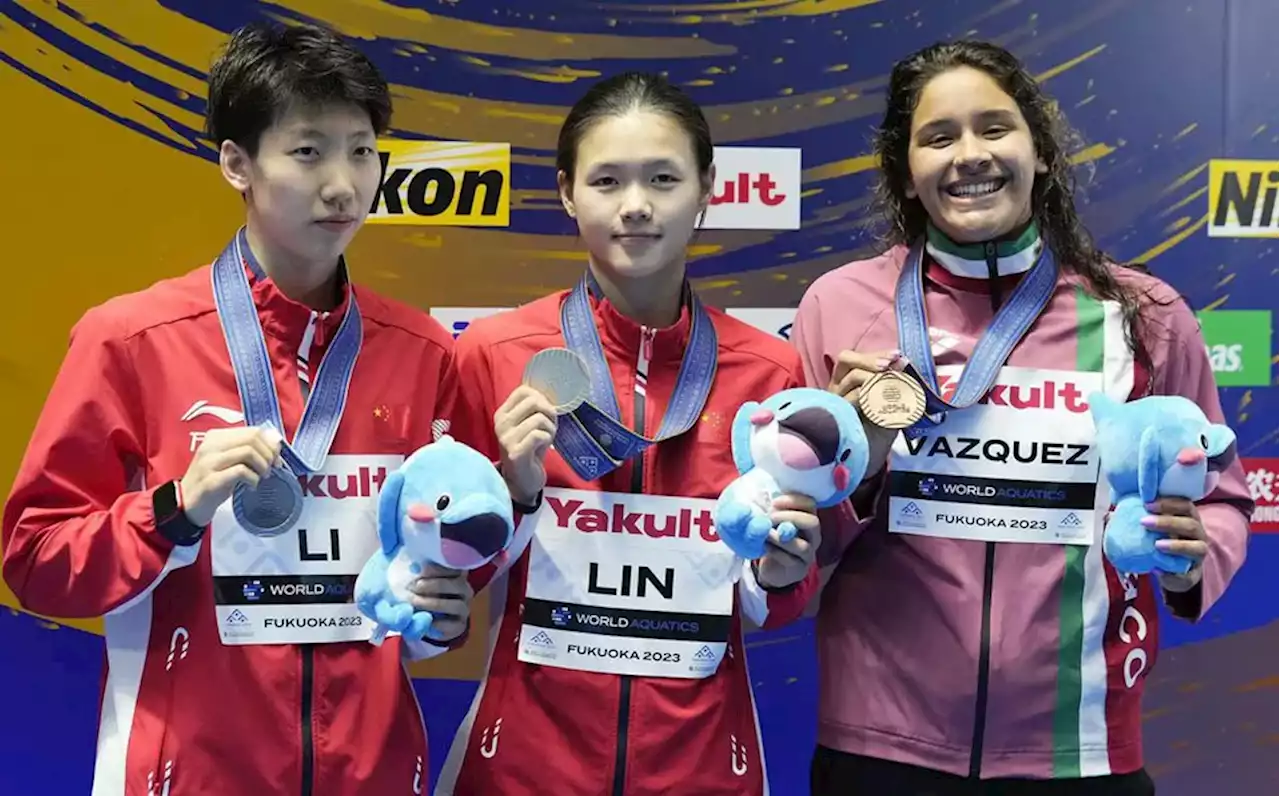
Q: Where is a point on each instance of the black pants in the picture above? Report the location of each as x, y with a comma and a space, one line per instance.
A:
840, 774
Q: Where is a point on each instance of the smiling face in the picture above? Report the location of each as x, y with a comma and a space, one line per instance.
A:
971, 157
636, 193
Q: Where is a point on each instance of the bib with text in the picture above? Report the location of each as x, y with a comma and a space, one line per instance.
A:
1019, 466
627, 584
296, 588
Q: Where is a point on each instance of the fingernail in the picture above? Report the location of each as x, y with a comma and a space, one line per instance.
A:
1149, 521
883, 364
895, 356
1164, 545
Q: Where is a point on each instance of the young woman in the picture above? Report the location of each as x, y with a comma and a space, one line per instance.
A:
140, 497
972, 639
617, 664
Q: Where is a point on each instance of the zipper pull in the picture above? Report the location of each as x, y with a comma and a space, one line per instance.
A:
318, 319
993, 274
646, 349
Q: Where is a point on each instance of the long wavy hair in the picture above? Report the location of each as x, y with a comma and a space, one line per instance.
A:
1052, 195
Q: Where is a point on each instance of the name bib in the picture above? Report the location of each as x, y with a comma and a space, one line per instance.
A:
627, 584
1018, 466
296, 588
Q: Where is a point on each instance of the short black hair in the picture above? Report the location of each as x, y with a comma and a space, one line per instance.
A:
267, 68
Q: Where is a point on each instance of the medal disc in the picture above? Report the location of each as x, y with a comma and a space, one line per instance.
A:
271, 509
892, 400
561, 376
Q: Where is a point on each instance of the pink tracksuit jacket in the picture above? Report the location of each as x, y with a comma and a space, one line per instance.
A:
940, 648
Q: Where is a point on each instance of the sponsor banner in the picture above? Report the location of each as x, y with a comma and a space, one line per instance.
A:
284, 589
443, 183
1242, 198
990, 523
294, 588
982, 491
1239, 346
457, 319
618, 655
1261, 475
755, 188
627, 584
621, 622
294, 624
773, 320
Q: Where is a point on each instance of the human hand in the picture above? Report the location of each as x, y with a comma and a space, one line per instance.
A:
446, 594
786, 562
525, 425
227, 457
853, 369
1179, 520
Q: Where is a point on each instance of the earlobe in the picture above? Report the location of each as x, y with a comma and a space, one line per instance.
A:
235, 165
566, 193
910, 191
1041, 168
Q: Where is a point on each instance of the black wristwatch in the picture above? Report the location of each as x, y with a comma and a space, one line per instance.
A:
171, 516
522, 508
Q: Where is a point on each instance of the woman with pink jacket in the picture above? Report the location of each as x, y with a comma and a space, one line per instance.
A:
972, 639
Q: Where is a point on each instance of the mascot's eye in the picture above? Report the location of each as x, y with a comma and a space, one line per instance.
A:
1204, 442
442, 503
784, 406
844, 457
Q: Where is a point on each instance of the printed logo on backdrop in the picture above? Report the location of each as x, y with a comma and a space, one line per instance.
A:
755, 188
457, 319
1239, 346
1261, 475
1242, 198
443, 183
772, 320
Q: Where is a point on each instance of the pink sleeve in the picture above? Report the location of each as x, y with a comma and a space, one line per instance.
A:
843, 523
1224, 512
806, 336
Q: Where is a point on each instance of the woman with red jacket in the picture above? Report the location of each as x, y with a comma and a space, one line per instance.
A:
617, 664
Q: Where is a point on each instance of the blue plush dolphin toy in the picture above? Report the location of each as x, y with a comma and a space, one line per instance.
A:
1158, 446
803, 441
445, 505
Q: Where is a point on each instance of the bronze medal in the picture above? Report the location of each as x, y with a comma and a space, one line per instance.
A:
892, 400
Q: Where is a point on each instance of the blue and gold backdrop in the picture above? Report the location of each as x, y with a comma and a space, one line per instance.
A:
110, 186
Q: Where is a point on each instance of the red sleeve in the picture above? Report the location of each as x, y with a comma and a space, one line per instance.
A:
1186, 371
79, 535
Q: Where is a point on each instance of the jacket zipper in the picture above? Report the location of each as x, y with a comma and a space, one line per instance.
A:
637, 487
988, 577
312, 337
984, 664
993, 274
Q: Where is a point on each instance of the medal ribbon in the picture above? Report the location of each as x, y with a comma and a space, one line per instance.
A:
1005, 331
592, 439
249, 360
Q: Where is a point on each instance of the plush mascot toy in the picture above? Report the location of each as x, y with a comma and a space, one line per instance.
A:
1159, 446
803, 441
445, 505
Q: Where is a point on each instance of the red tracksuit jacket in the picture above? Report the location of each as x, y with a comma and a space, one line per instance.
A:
540, 729
183, 714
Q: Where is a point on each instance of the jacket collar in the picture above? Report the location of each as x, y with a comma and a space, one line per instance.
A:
281, 316
1015, 253
622, 336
